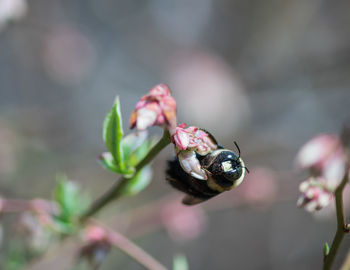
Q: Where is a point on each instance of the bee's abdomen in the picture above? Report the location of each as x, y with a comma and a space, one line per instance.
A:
182, 181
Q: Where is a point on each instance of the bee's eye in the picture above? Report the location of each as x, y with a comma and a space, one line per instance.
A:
231, 170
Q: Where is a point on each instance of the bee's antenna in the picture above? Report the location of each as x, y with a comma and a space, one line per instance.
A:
246, 169
239, 150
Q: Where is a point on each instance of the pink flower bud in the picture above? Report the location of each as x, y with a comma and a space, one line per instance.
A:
193, 139
315, 194
97, 244
315, 152
188, 142
325, 156
93, 233
156, 108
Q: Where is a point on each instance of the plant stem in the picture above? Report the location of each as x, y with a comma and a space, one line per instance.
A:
341, 225
134, 251
117, 189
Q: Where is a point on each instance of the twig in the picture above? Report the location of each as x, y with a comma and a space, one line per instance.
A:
138, 254
346, 264
117, 189
19, 205
341, 225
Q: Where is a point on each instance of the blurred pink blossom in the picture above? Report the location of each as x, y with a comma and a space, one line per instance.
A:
97, 244
156, 108
93, 233
38, 233
325, 157
315, 195
260, 186
316, 152
183, 223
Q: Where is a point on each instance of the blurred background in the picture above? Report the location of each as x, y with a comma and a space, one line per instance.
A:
267, 74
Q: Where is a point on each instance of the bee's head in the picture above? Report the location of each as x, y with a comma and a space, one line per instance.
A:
226, 168
228, 165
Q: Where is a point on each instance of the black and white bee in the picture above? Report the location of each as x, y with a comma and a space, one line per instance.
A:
224, 171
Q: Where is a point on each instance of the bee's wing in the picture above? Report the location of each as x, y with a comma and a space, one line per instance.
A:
190, 200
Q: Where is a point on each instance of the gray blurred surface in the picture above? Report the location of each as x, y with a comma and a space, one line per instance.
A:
268, 74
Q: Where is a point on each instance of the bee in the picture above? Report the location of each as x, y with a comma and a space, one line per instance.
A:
225, 170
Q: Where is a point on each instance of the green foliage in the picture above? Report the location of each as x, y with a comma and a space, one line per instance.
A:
125, 152
180, 262
71, 202
113, 134
138, 182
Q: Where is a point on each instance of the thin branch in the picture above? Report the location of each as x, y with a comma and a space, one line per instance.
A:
138, 254
341, 225
346, 264
116, 190
19, 205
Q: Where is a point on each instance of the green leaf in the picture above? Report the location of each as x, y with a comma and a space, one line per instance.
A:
138, 182
139, 153
107, 161
113, 133
132, 141
180, 262
70, 199
326, 249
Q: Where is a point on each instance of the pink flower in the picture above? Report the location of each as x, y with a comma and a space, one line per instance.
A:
93, 233
193, 139
315, 152
156, 108
315, 195
324, 156
188, 142
97, 244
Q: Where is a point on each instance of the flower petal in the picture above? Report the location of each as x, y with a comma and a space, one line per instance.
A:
191, 165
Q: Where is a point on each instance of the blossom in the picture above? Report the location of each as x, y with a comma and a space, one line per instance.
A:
315, 194
314, 154
189, 142
158, 108
193, 139
325, 158
97, 244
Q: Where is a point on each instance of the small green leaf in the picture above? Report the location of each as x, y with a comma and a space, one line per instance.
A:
180, 262
132, 141
139, 153
71, 201
326, 249
139, 182
107, 161
113, 133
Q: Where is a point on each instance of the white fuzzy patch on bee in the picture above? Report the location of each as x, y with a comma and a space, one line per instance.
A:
226, 166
